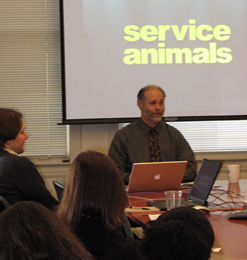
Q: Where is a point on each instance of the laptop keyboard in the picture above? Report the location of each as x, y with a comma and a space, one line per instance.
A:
187, 202
161, 204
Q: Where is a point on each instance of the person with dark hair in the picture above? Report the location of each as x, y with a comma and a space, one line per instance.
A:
150, 138
19, 178
28, 230
93, 202
180, 233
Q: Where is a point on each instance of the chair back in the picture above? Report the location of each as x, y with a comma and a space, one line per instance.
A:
59, 187
4, 204
126, 226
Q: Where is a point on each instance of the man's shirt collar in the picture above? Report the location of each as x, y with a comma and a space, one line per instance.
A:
10, 151
146, 128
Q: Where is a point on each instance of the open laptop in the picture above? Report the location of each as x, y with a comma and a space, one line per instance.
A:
156, 176
201, 188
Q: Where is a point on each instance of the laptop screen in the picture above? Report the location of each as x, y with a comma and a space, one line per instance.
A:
204, 181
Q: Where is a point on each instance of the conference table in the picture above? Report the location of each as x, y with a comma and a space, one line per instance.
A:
230, 235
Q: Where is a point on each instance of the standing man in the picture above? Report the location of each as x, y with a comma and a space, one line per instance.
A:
150, 138
19, 178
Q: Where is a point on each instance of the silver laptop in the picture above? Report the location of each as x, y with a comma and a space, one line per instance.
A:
156, 176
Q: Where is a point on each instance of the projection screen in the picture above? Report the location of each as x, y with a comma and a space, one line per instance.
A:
194, 49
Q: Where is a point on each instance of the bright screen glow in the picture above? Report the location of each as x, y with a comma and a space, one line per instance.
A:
195, 50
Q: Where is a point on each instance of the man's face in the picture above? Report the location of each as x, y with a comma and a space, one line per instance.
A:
153, 107
17, 145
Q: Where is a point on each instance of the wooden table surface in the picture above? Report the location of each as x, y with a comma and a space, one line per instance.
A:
230, 235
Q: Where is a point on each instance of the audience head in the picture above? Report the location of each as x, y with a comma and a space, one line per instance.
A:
151, 101
12, 130
28, 230
93, 185
180, 233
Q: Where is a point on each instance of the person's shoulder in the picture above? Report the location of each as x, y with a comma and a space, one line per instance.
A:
25, 160
8, 156
131, 125
22, 161
171, 131
16, 162
127, 128
128, 251
169, 127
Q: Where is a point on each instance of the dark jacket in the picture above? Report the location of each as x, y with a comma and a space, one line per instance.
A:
98, 240
20, 180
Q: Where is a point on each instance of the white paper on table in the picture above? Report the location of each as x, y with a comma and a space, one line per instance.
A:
154, 216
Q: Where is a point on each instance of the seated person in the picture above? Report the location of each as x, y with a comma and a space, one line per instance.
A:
136, 142
180, 233
93, 202
28, 230
19, 178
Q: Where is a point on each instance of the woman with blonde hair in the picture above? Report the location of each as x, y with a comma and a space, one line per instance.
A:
93, 203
